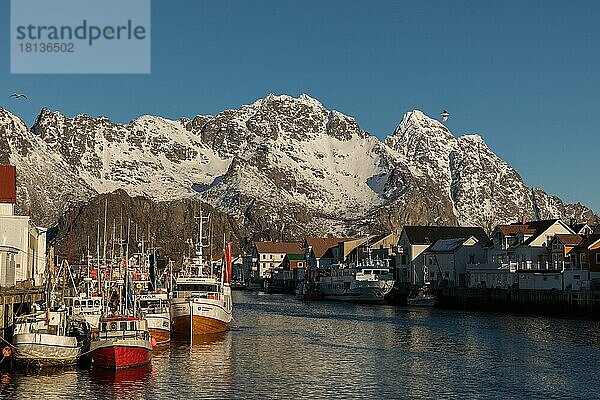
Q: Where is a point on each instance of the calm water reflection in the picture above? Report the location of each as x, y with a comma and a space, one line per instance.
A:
281, 348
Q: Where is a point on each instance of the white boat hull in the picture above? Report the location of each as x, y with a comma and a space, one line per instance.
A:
45, 349
359, 292
210, 316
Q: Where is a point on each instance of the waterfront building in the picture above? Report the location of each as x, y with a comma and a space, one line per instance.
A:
414, 240
322, 252
22, 243
447, 260
268, 256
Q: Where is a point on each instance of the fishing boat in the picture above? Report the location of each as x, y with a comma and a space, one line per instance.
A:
121, 342
48, 338
89, 307
154, 307
421, 298
201, 302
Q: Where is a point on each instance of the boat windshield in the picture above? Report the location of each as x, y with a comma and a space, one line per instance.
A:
197, 288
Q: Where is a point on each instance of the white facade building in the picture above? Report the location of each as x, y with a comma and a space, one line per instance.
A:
22, 244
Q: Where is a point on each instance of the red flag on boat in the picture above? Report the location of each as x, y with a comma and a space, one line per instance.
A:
228, 262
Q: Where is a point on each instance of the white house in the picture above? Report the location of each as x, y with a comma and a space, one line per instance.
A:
414, 240
532, 251
22, 244
447, 260
268, 256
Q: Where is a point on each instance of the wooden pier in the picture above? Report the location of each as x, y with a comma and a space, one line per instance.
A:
17, 300
580, 303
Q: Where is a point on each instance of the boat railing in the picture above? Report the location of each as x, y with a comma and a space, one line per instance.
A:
137, 334
199, 295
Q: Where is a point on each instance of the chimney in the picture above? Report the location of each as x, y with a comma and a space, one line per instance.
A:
8, 189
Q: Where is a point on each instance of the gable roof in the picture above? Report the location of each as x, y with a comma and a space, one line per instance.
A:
569, 239
431, 234
447, 245
590, 241
540, 227
279, 247
320, 246
513, 229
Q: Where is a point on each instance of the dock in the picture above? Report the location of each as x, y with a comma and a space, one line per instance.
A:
18, 299
554, 302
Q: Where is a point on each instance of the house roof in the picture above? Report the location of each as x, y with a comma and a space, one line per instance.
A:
446, 245
431, 234
589, 241
513, 229
569, 239
540, 227
279, 247
578, 227
320, 246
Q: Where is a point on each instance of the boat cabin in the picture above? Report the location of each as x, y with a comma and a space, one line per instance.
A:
123, 327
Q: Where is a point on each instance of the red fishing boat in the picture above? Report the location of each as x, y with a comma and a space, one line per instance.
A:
121, 342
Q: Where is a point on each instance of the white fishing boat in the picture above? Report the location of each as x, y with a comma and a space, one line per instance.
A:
49, 338
154, 307
51, 335
89, 306
201, 302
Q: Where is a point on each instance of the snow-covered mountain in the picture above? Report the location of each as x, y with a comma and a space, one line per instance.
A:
283, 164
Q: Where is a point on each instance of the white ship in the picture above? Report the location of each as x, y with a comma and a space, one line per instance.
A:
360, 284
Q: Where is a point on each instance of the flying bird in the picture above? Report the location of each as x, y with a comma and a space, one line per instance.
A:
444, 115
18, 95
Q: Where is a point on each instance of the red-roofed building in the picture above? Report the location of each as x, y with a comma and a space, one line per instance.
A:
269, 256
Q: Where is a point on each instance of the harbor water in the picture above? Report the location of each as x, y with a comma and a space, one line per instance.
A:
283, 348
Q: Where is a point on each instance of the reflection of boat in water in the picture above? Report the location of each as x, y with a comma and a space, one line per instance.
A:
122, 377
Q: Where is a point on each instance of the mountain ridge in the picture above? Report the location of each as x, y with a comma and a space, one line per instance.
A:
287, 162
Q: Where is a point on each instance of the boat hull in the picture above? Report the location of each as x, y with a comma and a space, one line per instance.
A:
45, 350
209, 317
120, 353
159, 327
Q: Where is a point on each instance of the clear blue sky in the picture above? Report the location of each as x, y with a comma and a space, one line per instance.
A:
523, 74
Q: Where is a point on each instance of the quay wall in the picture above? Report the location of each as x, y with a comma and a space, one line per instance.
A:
586, 303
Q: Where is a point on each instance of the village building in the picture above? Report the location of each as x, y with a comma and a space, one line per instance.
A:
22, 244
446, 260
415, 240
322, 252
268, 256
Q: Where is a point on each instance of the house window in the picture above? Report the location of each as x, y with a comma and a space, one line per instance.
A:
403, 262
576, 277
271, 256
446, 274
263, 256
598, 258
582, 258
471, 258
300, 264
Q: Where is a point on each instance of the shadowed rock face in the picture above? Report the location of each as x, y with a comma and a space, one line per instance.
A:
280, 167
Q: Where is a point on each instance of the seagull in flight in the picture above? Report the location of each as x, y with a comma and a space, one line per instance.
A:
444, 114
18, 95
